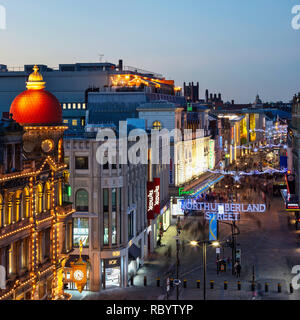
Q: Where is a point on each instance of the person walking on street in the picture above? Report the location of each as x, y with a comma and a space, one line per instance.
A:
238, 269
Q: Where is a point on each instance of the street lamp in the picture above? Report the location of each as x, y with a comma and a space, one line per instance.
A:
195, 243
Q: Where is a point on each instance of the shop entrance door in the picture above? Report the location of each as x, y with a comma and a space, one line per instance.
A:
112, 277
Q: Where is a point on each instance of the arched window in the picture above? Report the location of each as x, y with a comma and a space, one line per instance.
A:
47, 196
82, 200
39, 199
26, 203
157, 125
8, 209
17, 206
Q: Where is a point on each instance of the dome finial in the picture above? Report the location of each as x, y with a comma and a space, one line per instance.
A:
35, 80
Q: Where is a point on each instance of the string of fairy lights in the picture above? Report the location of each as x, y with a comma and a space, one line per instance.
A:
33, 226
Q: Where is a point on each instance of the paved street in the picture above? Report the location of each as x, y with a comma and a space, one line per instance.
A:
268, 243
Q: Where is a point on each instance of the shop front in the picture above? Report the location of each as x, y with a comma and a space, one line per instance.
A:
112, 273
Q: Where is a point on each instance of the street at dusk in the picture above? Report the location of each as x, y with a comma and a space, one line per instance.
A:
150, 156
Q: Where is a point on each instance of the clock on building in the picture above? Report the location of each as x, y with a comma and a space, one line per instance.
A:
47, 145
78, 275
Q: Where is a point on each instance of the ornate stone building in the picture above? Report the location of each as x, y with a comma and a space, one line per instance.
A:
35, 222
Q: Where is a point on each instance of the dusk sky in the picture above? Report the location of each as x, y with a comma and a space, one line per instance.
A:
238, 48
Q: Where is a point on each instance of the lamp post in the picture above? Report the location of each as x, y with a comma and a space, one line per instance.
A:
204, 245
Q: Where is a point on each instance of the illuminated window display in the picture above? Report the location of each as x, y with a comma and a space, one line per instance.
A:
81, 232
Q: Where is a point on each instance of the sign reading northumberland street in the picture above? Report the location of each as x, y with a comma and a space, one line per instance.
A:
222, 211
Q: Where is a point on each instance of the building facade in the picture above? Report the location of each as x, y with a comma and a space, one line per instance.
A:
35, 222
110, 217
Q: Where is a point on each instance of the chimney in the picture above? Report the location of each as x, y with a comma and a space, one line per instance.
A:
219, 97
211, 97
232, 101
120, 65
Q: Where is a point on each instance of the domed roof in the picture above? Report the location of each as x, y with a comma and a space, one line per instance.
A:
36, 106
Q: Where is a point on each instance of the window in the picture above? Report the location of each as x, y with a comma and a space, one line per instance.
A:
74, 106
120, 213
66, 121
82, 200
114, 227
79, 105
81, 232
74, 123
106, 217
82, 163
157, 125
114, 199
105, 200
83, 106
69, 105
130, 225
64, 106
106, 231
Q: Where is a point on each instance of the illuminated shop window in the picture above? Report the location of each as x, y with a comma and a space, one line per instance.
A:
81, 232
74, 123
157, 125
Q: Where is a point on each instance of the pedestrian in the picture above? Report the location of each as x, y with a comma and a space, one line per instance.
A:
238, 269
229, 262
159, 241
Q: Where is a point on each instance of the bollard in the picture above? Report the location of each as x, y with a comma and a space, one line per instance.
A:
198, 284
131, 281
291, 288
279, 287
184, 283
145, 281
158, 282
225, 285
239, 285
266, 287
212, 284
171, 282
253, 286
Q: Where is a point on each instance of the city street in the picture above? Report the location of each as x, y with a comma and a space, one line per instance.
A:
269, 246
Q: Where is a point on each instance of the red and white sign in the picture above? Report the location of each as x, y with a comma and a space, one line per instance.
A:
157, 195
153, 198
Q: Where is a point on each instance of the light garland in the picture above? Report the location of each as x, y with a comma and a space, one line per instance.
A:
255, 149
48, 160
244, 173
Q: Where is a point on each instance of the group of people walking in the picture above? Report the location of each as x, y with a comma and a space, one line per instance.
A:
223, 264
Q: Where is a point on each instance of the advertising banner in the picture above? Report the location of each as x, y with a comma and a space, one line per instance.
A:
213, 228
156, 195
150, 200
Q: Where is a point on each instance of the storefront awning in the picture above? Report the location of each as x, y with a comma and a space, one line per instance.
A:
134, 252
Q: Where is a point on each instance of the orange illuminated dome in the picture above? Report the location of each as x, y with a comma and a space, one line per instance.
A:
36, 106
